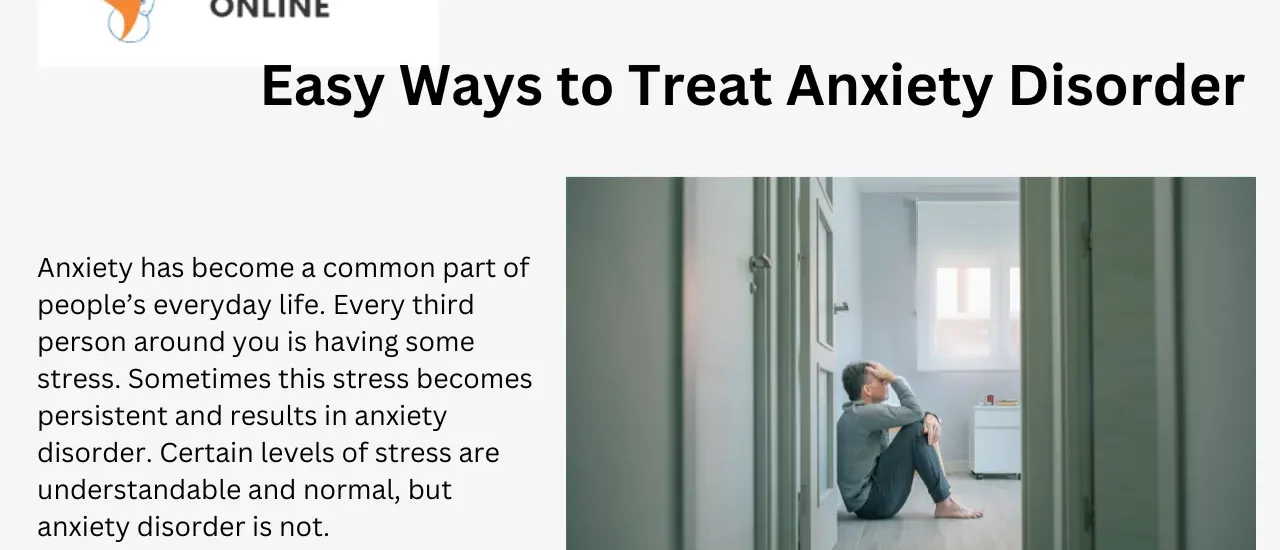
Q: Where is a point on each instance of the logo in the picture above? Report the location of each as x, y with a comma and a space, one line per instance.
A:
130, 20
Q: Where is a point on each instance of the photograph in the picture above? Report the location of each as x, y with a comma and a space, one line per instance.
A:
865, 363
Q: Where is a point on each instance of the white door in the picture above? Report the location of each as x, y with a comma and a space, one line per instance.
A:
819, 375
719, 377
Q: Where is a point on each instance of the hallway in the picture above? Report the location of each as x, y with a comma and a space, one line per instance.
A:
716, 315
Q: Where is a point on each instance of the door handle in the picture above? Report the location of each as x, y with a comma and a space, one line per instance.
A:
761, 261
842, 306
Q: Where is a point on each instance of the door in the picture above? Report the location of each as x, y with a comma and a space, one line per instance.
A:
1135, 403
719, 295
818, 373
1057, 389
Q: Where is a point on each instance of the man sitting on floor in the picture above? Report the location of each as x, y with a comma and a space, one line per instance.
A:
874, 475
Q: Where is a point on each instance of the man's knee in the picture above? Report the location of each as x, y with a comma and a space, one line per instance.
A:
914, 429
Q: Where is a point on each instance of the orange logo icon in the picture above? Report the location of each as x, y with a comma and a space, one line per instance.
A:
130, 20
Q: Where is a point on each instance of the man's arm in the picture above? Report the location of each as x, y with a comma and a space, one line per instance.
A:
883, 416
908, 395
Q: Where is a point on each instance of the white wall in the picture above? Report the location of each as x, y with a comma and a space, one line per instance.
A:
889, 323
623, 365
719, 367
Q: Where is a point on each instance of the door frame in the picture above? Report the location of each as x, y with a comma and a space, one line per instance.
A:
777, 385
1057, 387
787, 388
767, 457
1137, 433
1056, 365
789, 524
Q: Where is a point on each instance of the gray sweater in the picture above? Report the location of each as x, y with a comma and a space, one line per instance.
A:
862, 434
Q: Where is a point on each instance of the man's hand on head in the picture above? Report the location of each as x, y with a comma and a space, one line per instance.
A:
877, 370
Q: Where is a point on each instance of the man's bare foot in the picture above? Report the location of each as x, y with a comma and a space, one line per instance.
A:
951, 509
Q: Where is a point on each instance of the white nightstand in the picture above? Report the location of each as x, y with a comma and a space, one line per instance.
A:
996, 444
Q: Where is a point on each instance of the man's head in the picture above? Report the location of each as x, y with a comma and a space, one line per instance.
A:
863, 386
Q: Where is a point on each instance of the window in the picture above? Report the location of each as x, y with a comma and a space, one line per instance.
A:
962, 322
968, 285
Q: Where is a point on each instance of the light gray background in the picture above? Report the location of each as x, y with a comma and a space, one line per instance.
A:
170, 161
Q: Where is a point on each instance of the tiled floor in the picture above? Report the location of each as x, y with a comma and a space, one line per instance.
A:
915, 527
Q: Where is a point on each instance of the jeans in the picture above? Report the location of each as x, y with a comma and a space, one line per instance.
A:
895, 471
